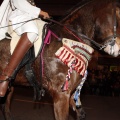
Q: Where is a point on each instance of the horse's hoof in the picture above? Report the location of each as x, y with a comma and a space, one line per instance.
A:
83, 115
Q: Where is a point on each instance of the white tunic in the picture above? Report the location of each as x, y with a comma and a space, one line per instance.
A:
5, 10
23, 11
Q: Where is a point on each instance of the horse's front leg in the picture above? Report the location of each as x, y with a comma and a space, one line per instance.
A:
61, 105
80, 113
6, 105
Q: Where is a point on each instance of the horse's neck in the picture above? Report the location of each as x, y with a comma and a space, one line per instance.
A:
80, 26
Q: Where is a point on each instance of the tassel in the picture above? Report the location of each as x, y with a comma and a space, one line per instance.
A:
78, 91
65, 86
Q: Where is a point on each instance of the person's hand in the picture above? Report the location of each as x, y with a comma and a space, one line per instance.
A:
45, 15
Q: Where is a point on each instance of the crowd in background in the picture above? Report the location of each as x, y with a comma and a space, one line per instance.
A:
102, 82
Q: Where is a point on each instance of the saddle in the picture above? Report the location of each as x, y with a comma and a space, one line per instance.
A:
30, 56
37, 44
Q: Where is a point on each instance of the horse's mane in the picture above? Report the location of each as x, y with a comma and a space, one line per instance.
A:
86, 6
72, 10
98, 4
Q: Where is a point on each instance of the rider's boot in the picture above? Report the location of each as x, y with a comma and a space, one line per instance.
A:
21, 49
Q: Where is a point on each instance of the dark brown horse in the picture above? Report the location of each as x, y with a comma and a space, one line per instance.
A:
97, 23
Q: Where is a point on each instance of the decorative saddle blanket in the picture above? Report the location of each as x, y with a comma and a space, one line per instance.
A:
75, 51
37, 44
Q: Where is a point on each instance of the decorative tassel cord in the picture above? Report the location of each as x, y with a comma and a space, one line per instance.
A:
78, 90
65, 85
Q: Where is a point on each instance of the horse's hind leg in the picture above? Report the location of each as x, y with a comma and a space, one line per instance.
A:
6, 106
61, 106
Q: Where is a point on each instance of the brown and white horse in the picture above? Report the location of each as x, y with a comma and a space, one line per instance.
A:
95, 23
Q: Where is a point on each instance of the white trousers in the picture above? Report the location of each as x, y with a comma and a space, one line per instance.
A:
30, 28
32, 37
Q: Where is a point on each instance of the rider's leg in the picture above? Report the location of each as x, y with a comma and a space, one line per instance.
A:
24, 44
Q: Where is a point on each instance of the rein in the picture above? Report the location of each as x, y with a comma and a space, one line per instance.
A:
71, 32
19, 23
66, 28
100, 46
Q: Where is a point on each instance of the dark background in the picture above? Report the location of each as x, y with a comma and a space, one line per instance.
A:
55, 7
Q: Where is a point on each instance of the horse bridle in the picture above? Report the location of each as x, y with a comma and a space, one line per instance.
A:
115, 35
111, 38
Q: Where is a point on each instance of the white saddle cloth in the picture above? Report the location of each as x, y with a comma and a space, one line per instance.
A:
37, 44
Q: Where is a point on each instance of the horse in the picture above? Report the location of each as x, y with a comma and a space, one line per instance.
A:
92, 24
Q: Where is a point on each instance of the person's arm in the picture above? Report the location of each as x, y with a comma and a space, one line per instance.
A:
26, 7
